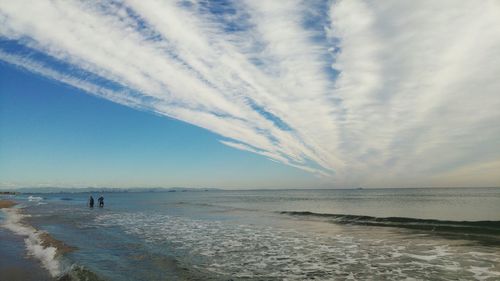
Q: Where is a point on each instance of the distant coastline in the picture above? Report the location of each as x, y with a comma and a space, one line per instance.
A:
37, 190
9, 193
31, 190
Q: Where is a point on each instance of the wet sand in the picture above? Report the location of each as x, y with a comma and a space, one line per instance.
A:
7, 204
49, 241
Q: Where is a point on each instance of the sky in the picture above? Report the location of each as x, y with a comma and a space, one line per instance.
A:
250, 94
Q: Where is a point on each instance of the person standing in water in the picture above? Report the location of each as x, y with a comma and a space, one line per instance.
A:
101, 201
91, 202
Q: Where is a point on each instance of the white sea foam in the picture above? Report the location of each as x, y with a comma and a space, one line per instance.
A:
271, 253
32, 240
483, 273
34, 198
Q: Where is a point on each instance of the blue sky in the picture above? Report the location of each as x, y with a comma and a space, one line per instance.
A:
52, 134
250, 94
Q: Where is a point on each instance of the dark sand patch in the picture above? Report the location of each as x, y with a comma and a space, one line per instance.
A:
7, 204
49, 241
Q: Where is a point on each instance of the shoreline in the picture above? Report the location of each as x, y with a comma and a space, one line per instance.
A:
31, 254
7, 204
15, 263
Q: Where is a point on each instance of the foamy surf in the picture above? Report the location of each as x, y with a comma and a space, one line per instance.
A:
273, 253
32, 198
33, 241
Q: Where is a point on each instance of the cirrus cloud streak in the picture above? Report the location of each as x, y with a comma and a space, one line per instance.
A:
388, 93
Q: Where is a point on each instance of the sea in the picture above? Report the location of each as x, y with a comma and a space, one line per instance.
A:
351, 234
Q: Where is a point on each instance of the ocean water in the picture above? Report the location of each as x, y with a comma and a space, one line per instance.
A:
383, 234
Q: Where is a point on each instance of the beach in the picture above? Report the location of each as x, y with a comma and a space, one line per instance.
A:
445, 234
29, 254
15, 265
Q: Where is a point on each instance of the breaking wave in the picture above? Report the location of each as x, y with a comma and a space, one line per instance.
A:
46, 249
479, 227
33, 241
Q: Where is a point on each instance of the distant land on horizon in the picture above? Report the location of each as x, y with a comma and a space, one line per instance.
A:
28, 190
4, 190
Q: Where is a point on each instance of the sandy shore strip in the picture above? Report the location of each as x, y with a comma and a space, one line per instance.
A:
7, 204
48, 241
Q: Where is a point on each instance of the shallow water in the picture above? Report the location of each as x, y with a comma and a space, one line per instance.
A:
279, 235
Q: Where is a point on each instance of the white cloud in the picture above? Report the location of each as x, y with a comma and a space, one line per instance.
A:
418, 85
416, 96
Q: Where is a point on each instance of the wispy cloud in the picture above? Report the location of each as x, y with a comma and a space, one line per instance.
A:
418, 85
360, 92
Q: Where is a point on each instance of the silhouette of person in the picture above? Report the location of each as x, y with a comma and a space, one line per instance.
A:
101, 201
91, 202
